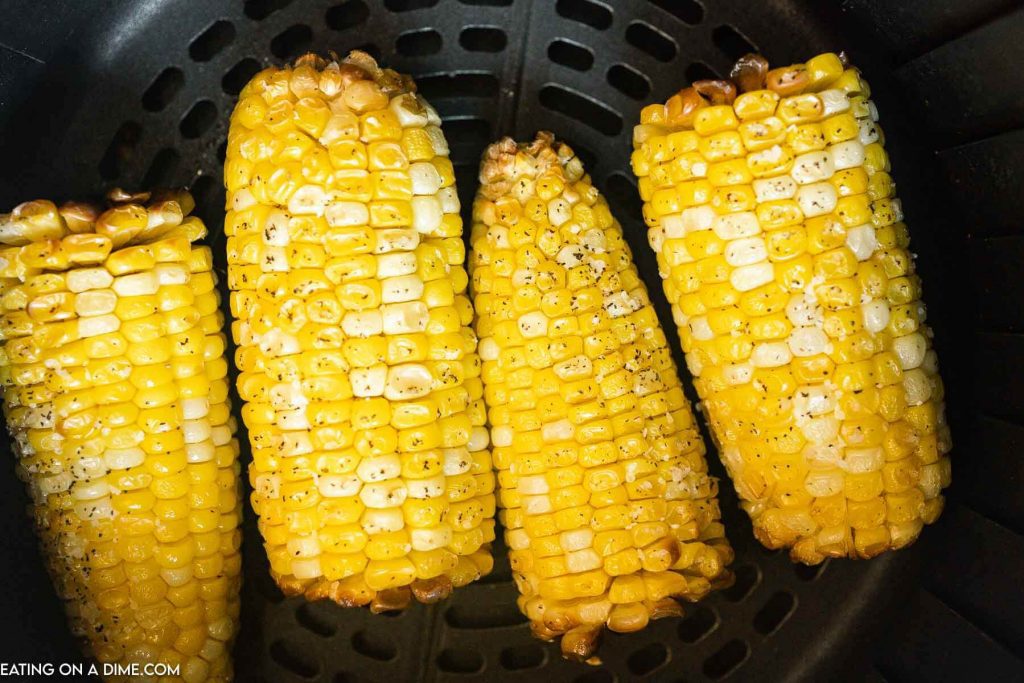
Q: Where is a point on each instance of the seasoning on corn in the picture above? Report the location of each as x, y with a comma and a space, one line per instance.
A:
608, 508
116, 397
371, 471
784, 256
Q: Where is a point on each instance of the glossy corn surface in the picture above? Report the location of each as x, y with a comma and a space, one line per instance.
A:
116, 397
371, 470
785, 258
608, 509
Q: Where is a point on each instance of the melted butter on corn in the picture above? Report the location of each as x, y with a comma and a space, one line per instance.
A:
116, 397
371, 471
608, 509
784, 256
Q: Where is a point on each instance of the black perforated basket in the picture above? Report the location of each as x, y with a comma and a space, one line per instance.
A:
138, 92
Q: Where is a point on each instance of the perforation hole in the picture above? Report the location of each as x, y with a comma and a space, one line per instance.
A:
586, 111
811, 572
343, 677
261, 9
596, 676
593, 14
457, 85
477, 614
408, 5
747, 578
629, 81
774, 613
203, 189
520, 657
648, 659
374, 646
686, 11
419, 43
240, 74
726, 660
120, 150
652, 41
294, 657
292, 42
483, 39
199, 119
347, 15
697, 625
313, 617
211, 41
163, 89
162, 168
699, 71
572, 55
622, 195
731, 42
460, 661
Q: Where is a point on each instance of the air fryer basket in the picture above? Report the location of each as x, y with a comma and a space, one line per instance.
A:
138, 93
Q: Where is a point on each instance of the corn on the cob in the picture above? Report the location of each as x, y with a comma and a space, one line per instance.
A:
608, 508
784, 256
371, 471
117, 399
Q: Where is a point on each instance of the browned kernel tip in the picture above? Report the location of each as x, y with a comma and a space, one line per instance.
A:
716, 91
79, 216
580, 643
119, 195
627, 618
788, 80
429, 591
391, 600
292, 586
539, 630
682, 107
666, 607
749, 72
311, 59
844, 59
363, 61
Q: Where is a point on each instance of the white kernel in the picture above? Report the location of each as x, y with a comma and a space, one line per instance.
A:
834, 101
910, 349
171, 274
379, 521
275, 229
862, 241
746, 278
868, 132
342, 214
338, 485
696, 218
812, 167
136, 284
449, 199
426, 214
533, 485
735, 225
83, 279
501, 436
577, 539
917, 385
407, 382
396, 239
807, 341
672, 227
820, 430
532, 325
812, 400
379, 468
537, 505
404, 318
385, 494
824, 483
817, 199
425, 178
430, 539
746, 251
700, 328
770, 189
802, 312
860, 460
875, 314
395, 264
847, 154
367, 382
770, 355
308, 199
738, 373
553, 432
401, 288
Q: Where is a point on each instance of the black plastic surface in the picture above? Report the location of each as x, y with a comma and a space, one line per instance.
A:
138, 92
